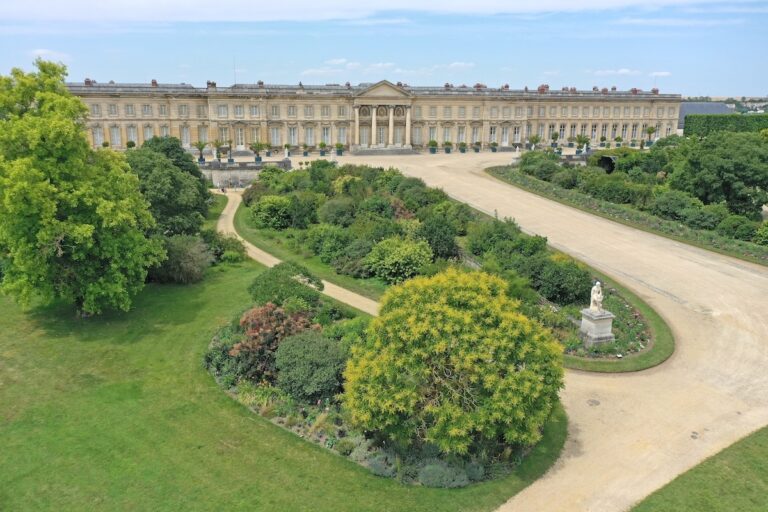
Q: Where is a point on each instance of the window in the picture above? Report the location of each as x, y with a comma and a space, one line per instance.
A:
98, 135
417, 112
95, 110
636, 112
660, 112
325, 135
574, 111
342, 111
114, 135
325, 111
202, 133
604, 130
476, 112
129, 110
202, 111
552, 111
462, 112
634, 131
506, 112
274, 135
516, 134
462, 135
540, 131
254, 110
505, 135
309, 111
562, 131
239, 136
494, 112
563, 111
132, 133
492, 134
528, 111
223, 111
596, 112
626, 111
614, 130
291, 110
616, 111
275, 111
255, 134
573, 130
528, 130
447, 112
148, 132
185, 136
606, 111
646, 112
163, 110
432, 112
146, 110
671, 112
112, 109
593, 135
585, 112
309, 136
342, 135
624, 131
165, 131
239, 111
293, 136
583, 130
669, 129
183, 110
447, 134
542, 111
224, 134
475, 134
432, 133
417, 135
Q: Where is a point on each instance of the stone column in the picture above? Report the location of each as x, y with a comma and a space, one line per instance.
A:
356, 136
408, 125
391, 140
374, 113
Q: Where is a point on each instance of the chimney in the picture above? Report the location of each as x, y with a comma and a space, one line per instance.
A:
655, 90
595, 89
154, 83
88, 82
347, 85
210, 84
260, 83
634, 90
613, 89
605, 90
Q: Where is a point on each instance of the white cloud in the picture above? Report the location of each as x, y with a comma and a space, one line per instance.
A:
336, 62
619, 72
678, 22
352, 12
46, 54
660, 73
460, 65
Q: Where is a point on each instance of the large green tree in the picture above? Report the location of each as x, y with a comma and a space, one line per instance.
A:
452, 361
172, 148
174, 195
73, 222
730, 167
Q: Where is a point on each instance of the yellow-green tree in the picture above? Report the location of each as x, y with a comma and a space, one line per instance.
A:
451, 361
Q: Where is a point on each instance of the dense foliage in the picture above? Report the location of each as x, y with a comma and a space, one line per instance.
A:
187, 258
309, 366
73, 223
706, 124
283, 282
452, 362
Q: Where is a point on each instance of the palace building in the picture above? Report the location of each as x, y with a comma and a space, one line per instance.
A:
377, 116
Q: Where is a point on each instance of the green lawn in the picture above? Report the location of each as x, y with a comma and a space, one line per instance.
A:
117, 413
214, 211
274, 242
735, 479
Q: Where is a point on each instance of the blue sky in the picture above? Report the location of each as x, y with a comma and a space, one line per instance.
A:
682, 46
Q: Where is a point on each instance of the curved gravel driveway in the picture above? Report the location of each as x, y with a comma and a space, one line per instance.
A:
630, 434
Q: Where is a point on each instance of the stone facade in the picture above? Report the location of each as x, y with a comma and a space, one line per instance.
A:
368, 116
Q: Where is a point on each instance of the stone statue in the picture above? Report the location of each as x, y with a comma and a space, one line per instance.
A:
596, 298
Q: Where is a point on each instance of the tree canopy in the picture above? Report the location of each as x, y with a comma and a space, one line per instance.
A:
451, 361
73, 222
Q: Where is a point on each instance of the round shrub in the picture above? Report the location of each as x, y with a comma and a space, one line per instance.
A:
439, 474
475, 471
377, 205
564, 281
738, 227
382, 464
440, 235
219, 244
397, 259
272, 212
309, 366
671, 204
761, 235
706, 217
344, 446
188, 257
339, 211
567, 178
327, 241
423, 373
483, 236
303, 209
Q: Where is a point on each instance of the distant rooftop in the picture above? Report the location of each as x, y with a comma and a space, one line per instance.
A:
260, 88
701, 107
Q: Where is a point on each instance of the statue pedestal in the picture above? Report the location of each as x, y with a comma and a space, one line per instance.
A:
596, 327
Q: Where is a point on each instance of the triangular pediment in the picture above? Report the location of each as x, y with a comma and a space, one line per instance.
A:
384, 89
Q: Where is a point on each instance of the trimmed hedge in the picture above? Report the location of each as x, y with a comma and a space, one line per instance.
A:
704, 124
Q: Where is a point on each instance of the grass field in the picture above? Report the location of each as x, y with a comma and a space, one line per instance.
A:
117, 413
735, 479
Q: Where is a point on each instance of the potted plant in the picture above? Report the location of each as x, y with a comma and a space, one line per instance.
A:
217, 144
554, 136
105, 144
257, 147
571, 140
322, 147
447, 145
269, 150
650, 131
306, 150
230, 160
130, 144
582, 142
339, 148
494, 146
432, 146
200, 146
602, 141
618, 140
462, 147
642, 143
287, 148
533, 140
476, 146
632, 143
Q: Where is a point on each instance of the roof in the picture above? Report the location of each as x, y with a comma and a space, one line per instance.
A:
701, 107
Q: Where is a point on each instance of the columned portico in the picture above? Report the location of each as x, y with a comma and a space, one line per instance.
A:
391, 141
374, 115
393, 136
